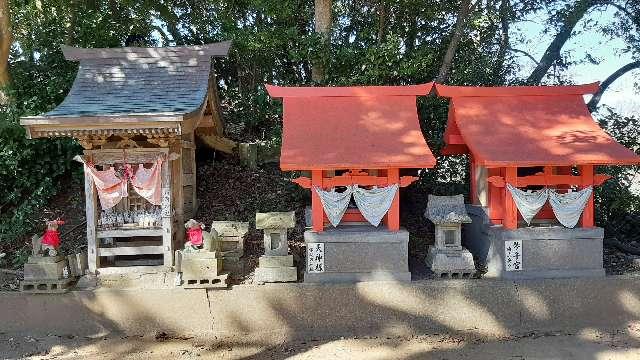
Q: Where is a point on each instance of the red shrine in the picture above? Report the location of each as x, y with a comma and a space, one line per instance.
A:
352, 136
528, 136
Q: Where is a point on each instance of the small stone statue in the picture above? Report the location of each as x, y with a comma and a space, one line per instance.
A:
198, 239
198, 265
48, 244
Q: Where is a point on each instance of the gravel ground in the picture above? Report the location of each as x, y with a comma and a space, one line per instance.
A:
588, 344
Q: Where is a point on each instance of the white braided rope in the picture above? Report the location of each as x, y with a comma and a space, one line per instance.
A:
375, 203
528, 203
334, 203
569, 206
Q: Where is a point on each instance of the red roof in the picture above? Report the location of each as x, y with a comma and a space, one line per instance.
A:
372, 127
529, 126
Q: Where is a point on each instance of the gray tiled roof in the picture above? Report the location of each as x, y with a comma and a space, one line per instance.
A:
447, 210
138, 81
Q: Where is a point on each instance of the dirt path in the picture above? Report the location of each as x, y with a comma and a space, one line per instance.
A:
586, 345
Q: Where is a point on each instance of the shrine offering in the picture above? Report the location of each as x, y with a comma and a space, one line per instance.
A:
533, 152
136, 111
354, 141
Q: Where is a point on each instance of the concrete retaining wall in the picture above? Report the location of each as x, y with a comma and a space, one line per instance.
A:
486, 308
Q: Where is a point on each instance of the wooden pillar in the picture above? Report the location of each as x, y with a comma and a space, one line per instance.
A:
473, 180
317, 212
167, 226
510, 211
586, 175
393, 216
177, 194
93, 260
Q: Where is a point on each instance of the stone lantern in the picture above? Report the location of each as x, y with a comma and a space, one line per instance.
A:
276, 265
446, 256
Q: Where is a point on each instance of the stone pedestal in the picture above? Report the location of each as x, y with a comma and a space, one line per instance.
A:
540, 252
455, 264
45, 274
276, 265
201, 270
276, 269
357, 253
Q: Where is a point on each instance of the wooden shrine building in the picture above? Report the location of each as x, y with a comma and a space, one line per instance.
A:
529, 137
346, 136
132, 109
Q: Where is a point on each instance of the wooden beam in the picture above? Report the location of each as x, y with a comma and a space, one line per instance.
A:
510, 220
364, 180
586, 174
216, 142
317, 211
393, 216
548, 180
130, 250
166, 210
93, 261
121, 233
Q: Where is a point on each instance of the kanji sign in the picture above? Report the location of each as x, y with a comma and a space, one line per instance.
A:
315, 257
513, 255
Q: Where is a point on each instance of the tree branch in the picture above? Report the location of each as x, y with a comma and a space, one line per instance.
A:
463, 14
6, 39
525, 54
552, 54
593, 103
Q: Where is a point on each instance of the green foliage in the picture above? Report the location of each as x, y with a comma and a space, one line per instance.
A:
615, 199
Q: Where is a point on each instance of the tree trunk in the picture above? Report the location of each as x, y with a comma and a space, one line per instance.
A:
6, 39
382, 20
505, 7
323, 27
71, 28
463, 14
593, 103
552, 54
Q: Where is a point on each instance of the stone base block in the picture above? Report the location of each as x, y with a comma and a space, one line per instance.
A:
45, 286
205, 282
275, 261
445, 263
275, 274
196, 268
360, 253
547, 252
47, 270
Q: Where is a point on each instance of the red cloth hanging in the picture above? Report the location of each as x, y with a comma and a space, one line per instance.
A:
111, 188
51, 238
147, 182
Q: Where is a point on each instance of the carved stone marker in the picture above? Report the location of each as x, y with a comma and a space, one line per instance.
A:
276, 265
447, 257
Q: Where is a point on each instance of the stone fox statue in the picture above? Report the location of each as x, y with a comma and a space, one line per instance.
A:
49, 242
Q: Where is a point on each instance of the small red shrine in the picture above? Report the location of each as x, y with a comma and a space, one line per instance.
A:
352, 136
528, 136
